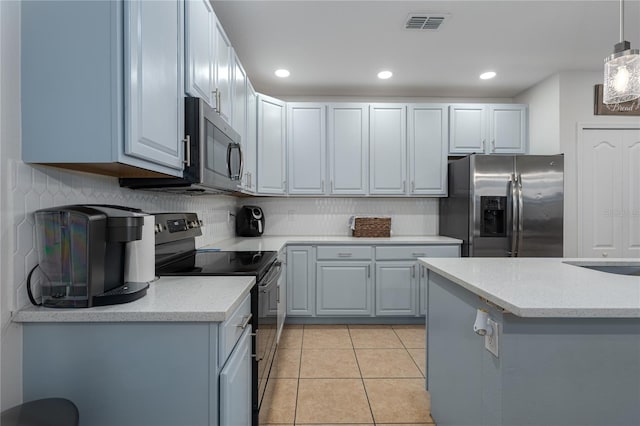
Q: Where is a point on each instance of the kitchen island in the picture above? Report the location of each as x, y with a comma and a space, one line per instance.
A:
568, 342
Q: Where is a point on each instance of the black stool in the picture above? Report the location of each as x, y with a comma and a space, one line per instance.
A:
42, 412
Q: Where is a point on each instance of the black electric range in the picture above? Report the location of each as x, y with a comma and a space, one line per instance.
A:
227, 263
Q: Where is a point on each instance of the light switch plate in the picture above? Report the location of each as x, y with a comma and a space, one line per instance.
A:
491, 341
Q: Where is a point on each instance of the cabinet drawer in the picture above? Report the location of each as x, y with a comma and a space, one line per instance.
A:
344, 252
413, 252
232, 329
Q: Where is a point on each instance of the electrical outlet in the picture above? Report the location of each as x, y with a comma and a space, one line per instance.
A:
491, 340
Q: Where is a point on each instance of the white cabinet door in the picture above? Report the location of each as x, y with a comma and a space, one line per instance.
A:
508, 129
467, 128
199, 24
235, 385
344, 288
154, 93
223, 72
250, 141
428, 136
239, 116
301, 281
387, 149
271, 145
348, 139
396, 288
609, 191
306, 145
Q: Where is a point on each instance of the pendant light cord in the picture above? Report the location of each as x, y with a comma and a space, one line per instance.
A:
621, 21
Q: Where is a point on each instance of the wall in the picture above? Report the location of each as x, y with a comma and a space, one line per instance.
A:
544, 115
330, 216
25, 188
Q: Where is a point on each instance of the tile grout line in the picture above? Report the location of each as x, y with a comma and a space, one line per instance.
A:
355, 355
424, 375
295, 410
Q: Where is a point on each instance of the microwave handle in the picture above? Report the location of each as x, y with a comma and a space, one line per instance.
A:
240, 172
231, 147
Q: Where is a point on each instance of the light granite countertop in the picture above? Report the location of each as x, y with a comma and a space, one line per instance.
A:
546, 287
276, 243
169, 299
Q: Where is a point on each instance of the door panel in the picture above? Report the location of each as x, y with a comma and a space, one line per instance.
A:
344, 288
348, 138
631, 193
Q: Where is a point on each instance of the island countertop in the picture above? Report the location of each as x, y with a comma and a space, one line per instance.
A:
169, 299
546, 287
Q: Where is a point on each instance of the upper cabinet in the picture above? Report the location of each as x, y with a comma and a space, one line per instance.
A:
271, 146
488, 129
387, 149
223, 72
239, 99
199, 50
102, 86
427, 140
306, 147
348, 145
249, 178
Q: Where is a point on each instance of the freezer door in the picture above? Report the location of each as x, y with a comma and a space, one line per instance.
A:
541, 194
491, 209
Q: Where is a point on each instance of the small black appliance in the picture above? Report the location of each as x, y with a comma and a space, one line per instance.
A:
249, 221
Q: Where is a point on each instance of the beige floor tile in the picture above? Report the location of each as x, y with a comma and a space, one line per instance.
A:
279, 405
383, 363
292, 326
287, 364
419, 357
332, 401
398, 400
369, 326
326, 338
408, 326
375, 338
324, 326
412, 337
329, 363
431, 423
291, 338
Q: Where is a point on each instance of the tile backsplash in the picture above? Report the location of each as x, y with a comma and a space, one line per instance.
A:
36, 187
330, 216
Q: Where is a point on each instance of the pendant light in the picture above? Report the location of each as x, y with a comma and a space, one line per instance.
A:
622, 70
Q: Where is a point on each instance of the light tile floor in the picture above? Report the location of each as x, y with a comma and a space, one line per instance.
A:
348, 375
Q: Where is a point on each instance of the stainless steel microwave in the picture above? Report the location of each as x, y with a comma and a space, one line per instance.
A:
213, 155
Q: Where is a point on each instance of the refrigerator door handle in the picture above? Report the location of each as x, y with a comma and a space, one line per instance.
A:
513, 196
520, 213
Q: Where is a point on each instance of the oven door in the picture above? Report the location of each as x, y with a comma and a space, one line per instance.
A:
266, 327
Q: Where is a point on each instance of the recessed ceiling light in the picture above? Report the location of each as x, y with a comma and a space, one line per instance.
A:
383, 75
487, 75
282, 73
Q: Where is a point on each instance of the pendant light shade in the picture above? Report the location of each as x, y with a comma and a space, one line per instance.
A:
622, 70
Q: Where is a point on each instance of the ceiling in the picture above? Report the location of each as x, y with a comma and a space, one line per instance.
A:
336, 48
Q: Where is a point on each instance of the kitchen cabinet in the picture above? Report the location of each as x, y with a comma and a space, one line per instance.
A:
427, 138
306, 147
271, 145
387, 149
102, 86
396, 288
281, 294
235, 384
223, 67
239, 100
487, 128
250, 145
609, 193
301, 281
348, 145
344, 288
199, 50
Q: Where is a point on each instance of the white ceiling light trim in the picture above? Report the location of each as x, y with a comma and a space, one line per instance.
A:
383, 75
487, 75
282, 73
622, 70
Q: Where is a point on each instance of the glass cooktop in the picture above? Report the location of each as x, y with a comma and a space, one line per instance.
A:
220, 263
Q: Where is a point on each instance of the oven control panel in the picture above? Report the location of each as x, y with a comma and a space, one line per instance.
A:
176, 226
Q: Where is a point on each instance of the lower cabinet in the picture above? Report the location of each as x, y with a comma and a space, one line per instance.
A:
235, 384
396, 288
344, 288
301, 280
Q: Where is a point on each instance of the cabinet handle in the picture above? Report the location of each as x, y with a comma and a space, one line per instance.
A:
250, 180
413, 271
345, 254
413, 186
404, 186
484, 145
323, 186
216, 97
605, 254
187, 150
419, 254
331, 185
493, 145
422, 268
245, 321
368, 271
278, 294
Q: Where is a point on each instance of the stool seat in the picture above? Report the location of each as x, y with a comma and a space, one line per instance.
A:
42, 412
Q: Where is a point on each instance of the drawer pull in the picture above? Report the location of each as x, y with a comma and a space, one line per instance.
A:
345, 254
419, 254
245, 321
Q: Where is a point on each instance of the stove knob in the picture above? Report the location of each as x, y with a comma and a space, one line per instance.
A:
158, 228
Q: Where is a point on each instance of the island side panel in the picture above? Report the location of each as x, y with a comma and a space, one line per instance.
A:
125, 374
571, 371
463, 378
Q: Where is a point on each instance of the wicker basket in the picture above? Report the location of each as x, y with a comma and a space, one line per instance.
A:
372, 227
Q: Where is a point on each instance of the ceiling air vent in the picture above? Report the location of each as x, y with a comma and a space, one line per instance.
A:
425, 21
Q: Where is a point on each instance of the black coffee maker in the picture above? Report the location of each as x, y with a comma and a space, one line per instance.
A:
249, 221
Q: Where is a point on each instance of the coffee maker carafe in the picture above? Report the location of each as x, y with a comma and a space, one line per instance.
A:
83, 254
249, 221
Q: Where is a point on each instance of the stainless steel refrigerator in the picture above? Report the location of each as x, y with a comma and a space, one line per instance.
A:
505, 205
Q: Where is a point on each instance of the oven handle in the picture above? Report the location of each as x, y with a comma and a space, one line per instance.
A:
273, 276
245, 322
